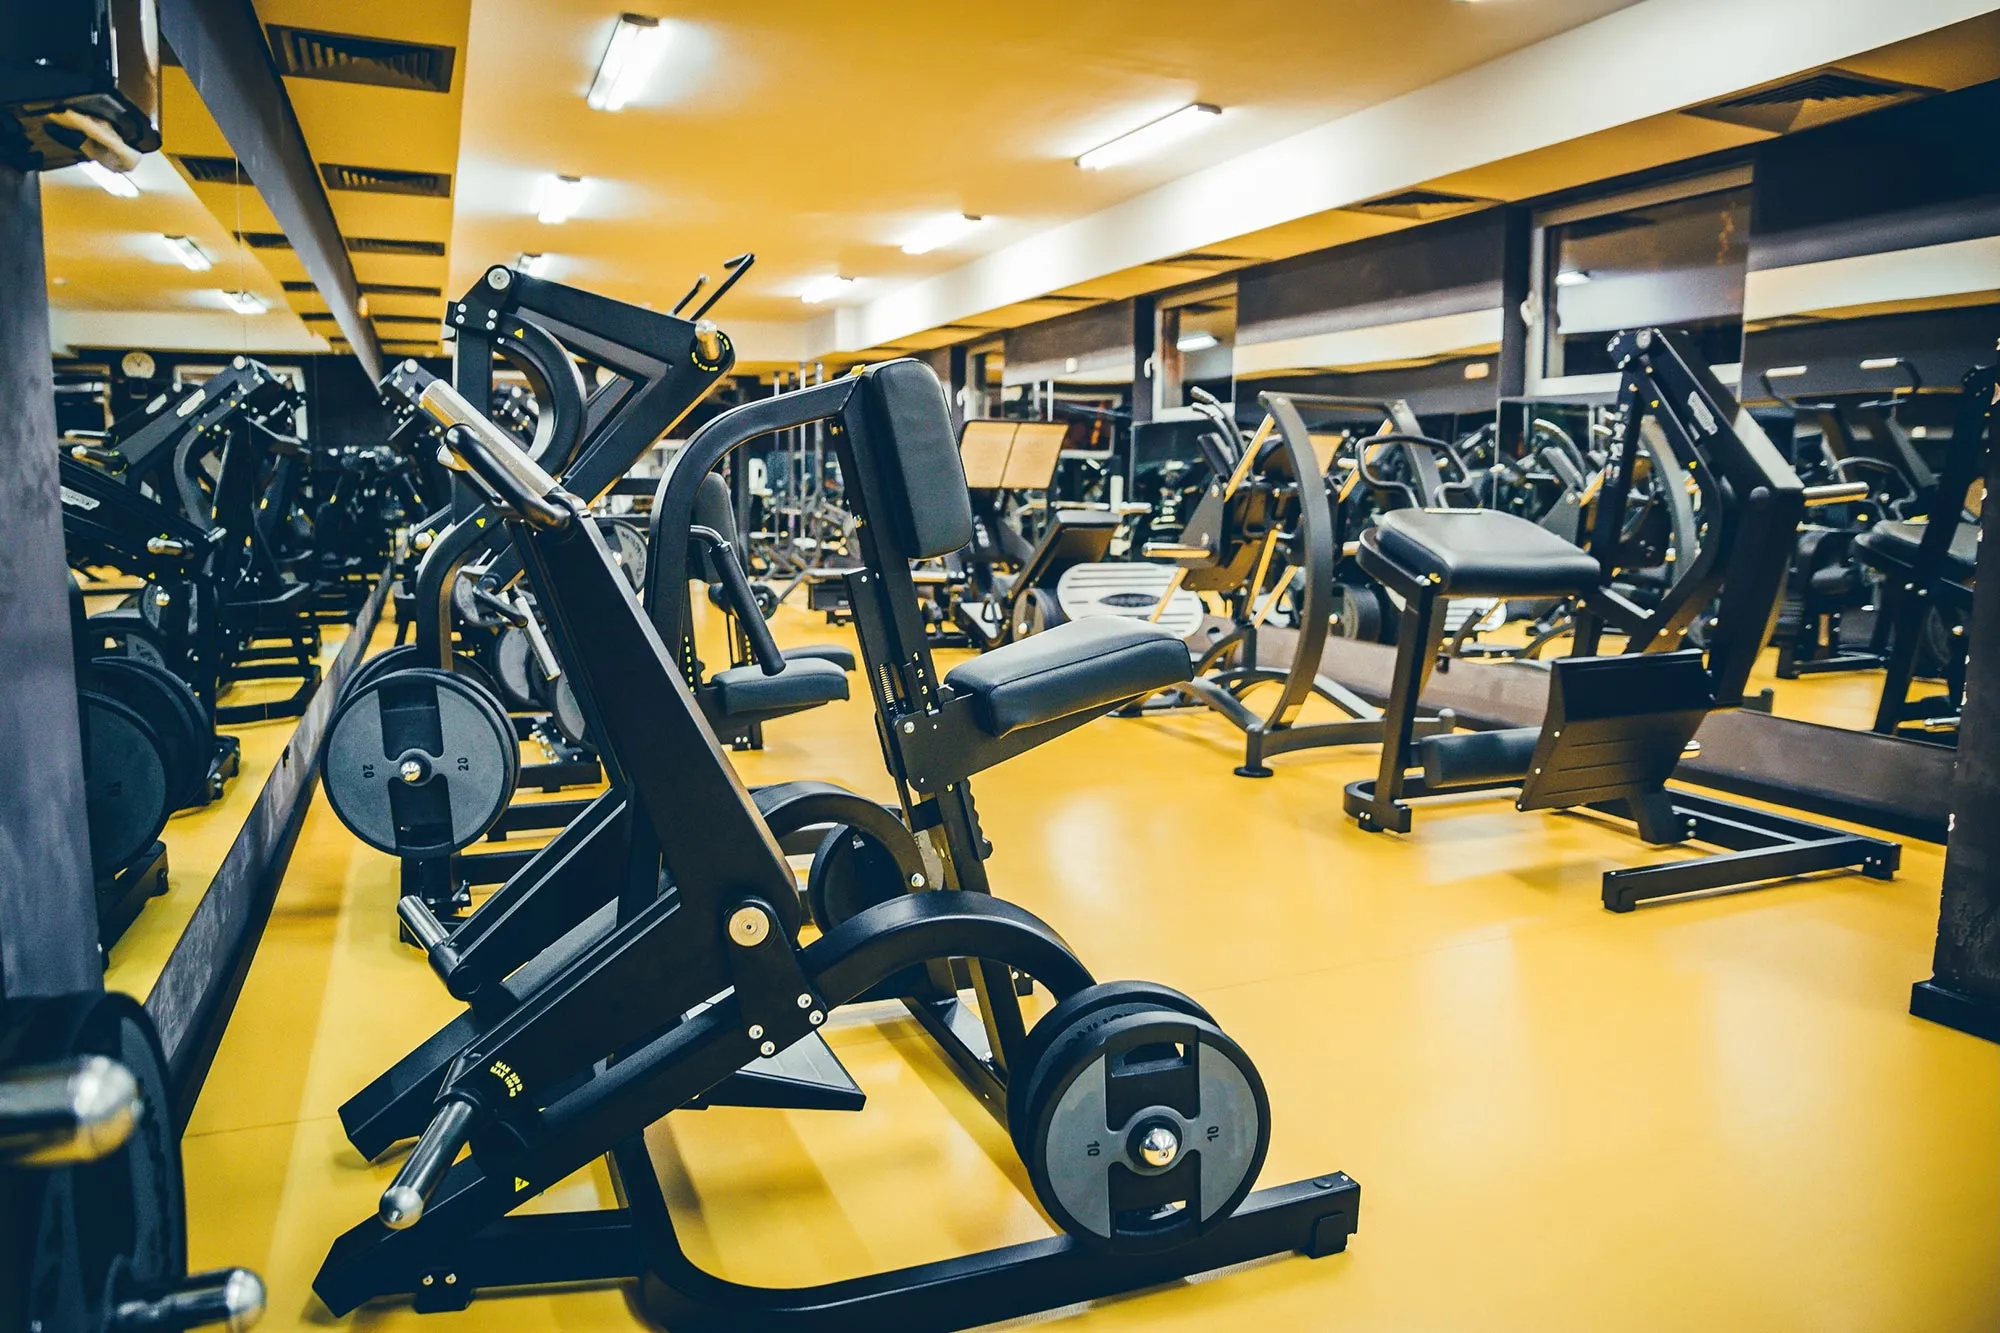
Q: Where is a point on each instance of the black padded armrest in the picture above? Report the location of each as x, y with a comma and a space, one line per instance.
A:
1083, 666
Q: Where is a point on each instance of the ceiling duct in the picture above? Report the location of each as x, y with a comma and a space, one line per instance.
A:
205, 170
377, 289
1418, 205
386, 180
304, 53
1813, 99
385, 245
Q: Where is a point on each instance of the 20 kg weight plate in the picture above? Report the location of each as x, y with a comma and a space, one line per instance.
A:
126, 782
171, 709
420, 762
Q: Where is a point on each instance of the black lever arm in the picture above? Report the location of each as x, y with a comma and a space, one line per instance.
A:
475, 444
742, 600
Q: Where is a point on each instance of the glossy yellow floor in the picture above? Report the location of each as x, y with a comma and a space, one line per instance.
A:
1707, 1115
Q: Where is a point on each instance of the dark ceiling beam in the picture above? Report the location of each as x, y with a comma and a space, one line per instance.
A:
221, 45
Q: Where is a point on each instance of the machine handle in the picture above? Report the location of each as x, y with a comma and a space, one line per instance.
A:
424, 1169
73, 1111
1837, 493
742, 598
475, 444
231, 1297
431, 935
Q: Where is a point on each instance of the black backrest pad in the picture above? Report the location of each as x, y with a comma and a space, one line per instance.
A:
712, 509
932, 509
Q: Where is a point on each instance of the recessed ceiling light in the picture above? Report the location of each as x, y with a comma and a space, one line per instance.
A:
535, 266
244, 303
637, 44
1150, 138
111, 182
1195, 342
824, 289
942, 231
1478, 370
558, 200
1882, 363
1785, 372
186, 253
1574, 277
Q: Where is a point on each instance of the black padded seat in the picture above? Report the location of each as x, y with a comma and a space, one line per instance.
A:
1481, 553
1897, 541
1073, 668
805, 682
822, 652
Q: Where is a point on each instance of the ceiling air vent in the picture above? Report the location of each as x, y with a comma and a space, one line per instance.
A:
384, 245
374, 289
1202, 259
345, 58
1417, 205
385, 180
432, 320
1813, 99
265, 240
317, 316
212, 170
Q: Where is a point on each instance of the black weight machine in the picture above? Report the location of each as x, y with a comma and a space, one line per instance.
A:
1617, 725
703, 973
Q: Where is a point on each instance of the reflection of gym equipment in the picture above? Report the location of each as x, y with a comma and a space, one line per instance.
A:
1927, 569
1142, 1125
1617, 726
1270, 496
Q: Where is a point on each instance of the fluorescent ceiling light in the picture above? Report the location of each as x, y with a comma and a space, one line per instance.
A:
1195, 342
111, 182
1574, 277
535, 266
244, 303
942, 231
186, 253
637, 44
824, 289
559, 199
1882, 363
1150, 138
1785, 372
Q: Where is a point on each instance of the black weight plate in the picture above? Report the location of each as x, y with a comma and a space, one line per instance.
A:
515, 668
1105, 998
165, 701
124, 633
405, 657
1108, 1077
1362, 611
850, 873
460, 738
102, 1232
126, 783
564, 710
628, 547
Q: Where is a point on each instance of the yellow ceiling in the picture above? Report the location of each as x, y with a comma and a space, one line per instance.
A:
818, 136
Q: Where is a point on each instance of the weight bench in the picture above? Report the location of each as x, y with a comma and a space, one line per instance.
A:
1616, 725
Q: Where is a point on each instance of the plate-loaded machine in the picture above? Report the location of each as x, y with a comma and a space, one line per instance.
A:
661, 366
1142, 1124
1617, 725
1269, 495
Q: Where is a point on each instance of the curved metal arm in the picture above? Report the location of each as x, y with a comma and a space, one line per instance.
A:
491, 454
742, 599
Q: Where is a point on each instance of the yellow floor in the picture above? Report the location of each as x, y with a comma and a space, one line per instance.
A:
1707, 1115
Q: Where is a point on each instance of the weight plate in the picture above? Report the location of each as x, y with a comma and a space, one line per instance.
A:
1144, 1129
126, 783
564, 710
169, 706
1107, 998
514, 669
850, 873
420, 762
98, 1233
405, 657
1362, 613
628, 547
124, 633
1036, 612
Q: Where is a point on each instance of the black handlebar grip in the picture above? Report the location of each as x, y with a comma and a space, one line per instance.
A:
742, 599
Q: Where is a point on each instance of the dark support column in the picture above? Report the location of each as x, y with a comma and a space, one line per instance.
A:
221, 45
1145, 341
956, 380
1964, 991
48, 915
1516, 271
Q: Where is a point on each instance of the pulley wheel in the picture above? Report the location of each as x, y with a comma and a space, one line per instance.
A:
1143, 1127
850, 873
96, 1233
627, 541
420, 762
1364, 614
174, 714
127, 786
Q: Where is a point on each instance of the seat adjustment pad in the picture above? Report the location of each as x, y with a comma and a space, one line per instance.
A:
804, 683
1481, 553
1083, 666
